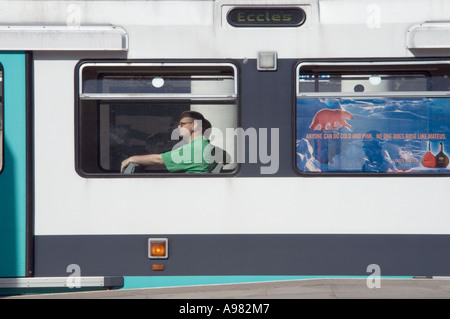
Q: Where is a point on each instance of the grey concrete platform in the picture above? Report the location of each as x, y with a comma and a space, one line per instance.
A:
296, 289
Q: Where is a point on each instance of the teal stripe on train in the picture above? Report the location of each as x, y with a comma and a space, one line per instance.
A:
186, 281
13, 176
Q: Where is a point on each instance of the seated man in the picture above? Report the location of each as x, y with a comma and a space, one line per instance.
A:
196, 156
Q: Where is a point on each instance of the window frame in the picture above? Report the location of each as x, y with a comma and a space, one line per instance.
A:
226, 98
354, 63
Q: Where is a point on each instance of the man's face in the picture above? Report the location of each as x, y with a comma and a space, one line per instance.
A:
186, 126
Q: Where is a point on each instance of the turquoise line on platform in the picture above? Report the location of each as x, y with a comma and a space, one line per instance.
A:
183, 281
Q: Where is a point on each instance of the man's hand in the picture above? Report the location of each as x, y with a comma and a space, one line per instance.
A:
125, 163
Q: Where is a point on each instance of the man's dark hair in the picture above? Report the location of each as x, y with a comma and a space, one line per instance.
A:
197, 116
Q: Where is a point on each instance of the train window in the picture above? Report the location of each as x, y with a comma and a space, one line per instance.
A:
2, 124
128, 109
386, 117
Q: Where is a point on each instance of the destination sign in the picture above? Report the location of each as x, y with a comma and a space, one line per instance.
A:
266, 17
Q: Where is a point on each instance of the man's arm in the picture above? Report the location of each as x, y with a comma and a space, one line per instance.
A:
143, 160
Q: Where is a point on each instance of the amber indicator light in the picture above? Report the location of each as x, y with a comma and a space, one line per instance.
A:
158, 248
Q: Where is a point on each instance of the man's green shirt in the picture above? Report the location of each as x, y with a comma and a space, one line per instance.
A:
194, 157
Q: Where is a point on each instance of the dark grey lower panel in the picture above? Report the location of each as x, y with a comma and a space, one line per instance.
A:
332, 255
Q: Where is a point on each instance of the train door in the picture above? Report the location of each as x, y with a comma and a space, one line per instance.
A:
13, 165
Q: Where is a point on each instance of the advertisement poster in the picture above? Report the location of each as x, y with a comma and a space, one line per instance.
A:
378, 135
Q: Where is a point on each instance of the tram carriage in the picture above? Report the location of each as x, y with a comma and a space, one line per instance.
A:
325, 109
